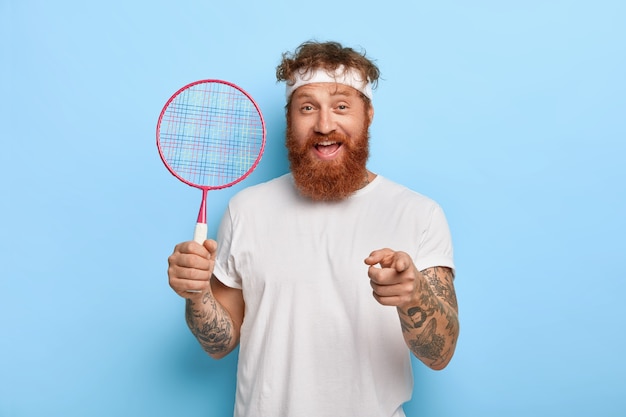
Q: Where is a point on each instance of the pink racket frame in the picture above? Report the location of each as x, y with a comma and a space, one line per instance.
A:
206, 188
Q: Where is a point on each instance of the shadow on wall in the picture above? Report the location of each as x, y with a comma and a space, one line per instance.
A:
194, 378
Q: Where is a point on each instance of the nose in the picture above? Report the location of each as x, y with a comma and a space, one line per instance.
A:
325, 123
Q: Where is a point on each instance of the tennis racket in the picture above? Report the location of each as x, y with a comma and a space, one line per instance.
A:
210, 135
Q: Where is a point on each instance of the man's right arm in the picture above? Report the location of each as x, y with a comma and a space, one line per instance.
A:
214, 312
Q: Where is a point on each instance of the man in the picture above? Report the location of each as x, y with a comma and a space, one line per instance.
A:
307, 267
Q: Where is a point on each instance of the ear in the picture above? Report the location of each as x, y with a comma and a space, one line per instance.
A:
370, 115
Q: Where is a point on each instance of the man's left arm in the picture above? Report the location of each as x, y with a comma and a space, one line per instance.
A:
425, 300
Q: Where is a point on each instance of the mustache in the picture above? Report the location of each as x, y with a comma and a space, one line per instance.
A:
331, 137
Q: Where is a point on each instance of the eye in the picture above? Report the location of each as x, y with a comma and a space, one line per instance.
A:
306, 108
342, 106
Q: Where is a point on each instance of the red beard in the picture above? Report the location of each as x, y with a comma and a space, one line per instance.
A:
331, 180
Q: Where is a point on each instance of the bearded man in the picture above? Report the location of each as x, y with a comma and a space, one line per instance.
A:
307, 268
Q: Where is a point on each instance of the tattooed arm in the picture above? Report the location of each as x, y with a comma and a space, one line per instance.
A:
430, 322
210, 320
214, 312
426, 303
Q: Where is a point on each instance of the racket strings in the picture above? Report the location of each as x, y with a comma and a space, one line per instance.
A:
211, 134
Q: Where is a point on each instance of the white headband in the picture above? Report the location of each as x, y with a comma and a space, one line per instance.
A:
351, 78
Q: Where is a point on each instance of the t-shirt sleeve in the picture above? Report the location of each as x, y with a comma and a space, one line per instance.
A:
224, 261
436, 243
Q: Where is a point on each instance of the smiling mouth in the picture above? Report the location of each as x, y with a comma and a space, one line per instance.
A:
327, 148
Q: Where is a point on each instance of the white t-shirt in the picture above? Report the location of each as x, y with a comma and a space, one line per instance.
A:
314, 341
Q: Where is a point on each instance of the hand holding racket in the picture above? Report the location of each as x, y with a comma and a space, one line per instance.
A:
210, 135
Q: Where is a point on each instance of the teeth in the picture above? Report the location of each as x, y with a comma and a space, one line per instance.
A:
326, 143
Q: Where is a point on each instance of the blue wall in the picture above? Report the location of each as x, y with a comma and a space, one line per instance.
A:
511, 114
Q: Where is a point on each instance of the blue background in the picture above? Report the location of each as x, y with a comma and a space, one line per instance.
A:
512, 115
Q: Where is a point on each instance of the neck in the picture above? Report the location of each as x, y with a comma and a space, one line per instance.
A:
369, 177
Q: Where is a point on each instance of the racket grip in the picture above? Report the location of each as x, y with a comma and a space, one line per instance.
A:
200, 233
199, 236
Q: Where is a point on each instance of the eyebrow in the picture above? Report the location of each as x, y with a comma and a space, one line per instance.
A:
340, 90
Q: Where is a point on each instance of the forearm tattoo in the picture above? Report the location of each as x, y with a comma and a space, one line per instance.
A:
431, 326
210, 324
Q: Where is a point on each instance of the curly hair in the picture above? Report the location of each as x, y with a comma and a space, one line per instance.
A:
326, 55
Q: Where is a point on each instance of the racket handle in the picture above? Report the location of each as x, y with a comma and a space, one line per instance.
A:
200, 233
199, 236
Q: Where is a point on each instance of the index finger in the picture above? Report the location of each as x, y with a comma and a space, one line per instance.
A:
192, 248
387, 258
380, 256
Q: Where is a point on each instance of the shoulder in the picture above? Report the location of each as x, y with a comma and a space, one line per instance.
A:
275, 189
400, 193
